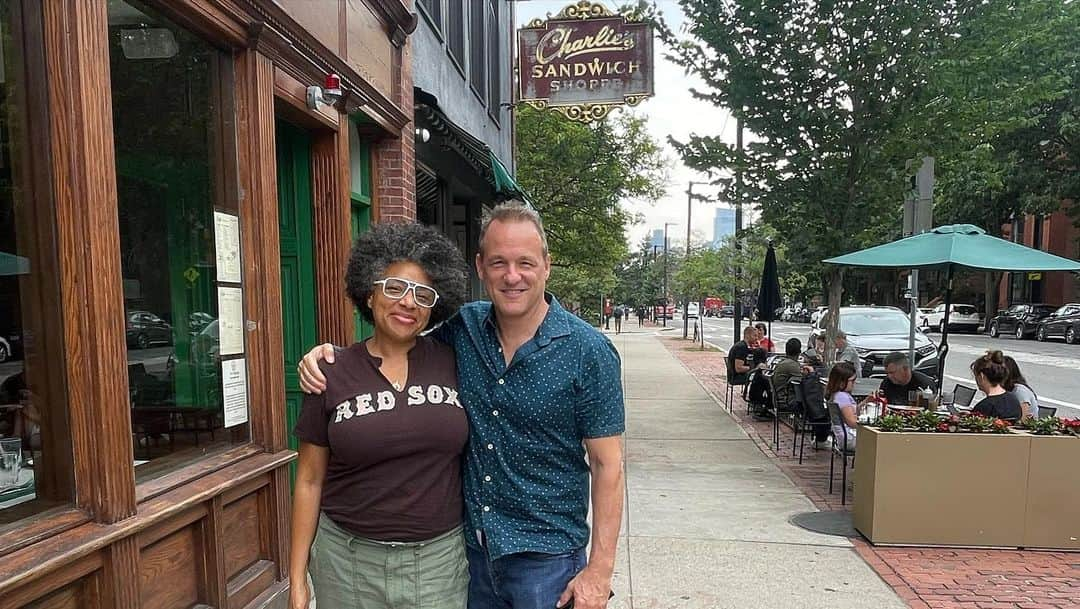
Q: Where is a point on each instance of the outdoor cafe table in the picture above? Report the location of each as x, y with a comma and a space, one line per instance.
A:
863, 386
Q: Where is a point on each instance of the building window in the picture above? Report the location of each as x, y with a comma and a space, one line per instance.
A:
36, 470
455, 31
176, 166
477, 52
432, 9
494, 42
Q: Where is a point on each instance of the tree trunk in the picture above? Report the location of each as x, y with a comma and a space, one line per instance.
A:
836, 290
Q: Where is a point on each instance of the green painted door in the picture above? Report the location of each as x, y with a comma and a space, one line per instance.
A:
360, 200
297, 259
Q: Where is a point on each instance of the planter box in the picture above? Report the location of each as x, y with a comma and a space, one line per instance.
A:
942, 489
1053, 493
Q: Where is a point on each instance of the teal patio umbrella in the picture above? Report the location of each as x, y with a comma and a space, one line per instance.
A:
947, 247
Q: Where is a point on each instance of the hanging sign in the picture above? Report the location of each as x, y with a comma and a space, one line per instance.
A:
585, 61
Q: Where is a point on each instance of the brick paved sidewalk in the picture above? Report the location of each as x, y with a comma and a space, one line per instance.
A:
924, 577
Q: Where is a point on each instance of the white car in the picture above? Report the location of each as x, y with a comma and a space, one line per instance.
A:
962, 317
816, 315
692, 310
922, 319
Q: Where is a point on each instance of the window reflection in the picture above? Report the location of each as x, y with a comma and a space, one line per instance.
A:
35, 447
175, 159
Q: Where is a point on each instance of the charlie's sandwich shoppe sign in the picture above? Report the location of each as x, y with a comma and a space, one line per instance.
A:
585, 61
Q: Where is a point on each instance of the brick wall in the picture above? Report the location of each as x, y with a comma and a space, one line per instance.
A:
395, 159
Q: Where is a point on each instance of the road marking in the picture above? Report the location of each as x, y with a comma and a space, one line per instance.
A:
1041, 398
1055, 361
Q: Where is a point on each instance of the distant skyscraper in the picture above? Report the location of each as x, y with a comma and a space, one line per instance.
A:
657, 238
723, 225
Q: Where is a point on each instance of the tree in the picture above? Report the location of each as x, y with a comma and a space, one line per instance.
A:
820, 86
999, 114
576, 176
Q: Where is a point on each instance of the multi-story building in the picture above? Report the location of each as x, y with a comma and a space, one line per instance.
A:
1054, 233
176, 206
461, 57
723, 225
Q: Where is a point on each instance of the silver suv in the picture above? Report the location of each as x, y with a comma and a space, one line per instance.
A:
876, 332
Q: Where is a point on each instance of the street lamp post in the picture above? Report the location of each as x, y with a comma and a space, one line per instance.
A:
664, 295
686, 301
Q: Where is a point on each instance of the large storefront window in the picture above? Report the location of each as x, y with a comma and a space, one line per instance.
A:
35, 448
176, 163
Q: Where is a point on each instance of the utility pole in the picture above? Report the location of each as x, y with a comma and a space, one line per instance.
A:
918, 218
689, 208
738, 230
664, 296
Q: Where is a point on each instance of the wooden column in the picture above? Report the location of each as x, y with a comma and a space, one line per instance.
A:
330, 181
260, 243
84, 186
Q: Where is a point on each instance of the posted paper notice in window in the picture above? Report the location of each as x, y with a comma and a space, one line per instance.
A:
227, 245
234, 391
230, 320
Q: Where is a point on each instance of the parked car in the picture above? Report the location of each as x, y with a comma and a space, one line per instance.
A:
145, 329
692, 310
875, 332
922, 318
727, 311
1020, 320
1063, 323
962, 317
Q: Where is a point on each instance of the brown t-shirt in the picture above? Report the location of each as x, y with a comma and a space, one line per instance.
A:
395, 456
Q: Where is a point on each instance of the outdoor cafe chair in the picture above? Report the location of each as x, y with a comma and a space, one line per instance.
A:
840, 447
805, 423
1045, 412
733, 380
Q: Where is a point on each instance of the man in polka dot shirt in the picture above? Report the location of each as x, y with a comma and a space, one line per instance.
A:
543, 392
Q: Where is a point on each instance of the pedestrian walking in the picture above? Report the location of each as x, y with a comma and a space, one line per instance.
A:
360, 542
524, 363
640, 316
607, 316
618, 319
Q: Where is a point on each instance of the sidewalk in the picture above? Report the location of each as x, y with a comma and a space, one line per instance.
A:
945, 578
707, 512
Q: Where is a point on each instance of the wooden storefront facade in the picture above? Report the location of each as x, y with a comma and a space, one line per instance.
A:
134, 134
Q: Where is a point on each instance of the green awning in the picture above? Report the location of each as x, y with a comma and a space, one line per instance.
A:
505, 185
956, 244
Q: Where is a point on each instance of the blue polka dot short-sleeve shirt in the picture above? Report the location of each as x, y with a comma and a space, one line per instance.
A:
526, 478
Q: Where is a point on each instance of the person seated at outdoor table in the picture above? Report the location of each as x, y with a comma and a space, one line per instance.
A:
745, 355
785, 371
1017, 385
838, 391
901, 379
814, 357
846, 353
990, 375
764, 341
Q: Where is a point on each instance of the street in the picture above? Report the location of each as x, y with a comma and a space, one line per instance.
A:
1050, 367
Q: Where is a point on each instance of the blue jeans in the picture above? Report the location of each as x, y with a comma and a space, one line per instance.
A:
520, 581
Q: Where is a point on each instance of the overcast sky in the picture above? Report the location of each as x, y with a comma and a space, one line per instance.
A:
671, 112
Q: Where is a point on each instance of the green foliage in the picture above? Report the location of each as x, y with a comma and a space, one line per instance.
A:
576, 176
820, 86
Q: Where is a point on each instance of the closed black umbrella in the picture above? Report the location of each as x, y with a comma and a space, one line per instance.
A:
769, 298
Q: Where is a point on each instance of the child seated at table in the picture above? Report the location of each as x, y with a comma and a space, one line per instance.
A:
838, 391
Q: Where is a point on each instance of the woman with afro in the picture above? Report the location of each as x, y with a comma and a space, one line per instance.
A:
377, 508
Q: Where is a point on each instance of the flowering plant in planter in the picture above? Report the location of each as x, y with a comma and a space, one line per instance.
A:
977, 423
1071, 425
891, 422
924, 420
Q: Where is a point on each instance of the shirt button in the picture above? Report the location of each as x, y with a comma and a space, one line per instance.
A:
494, 413
487, 508
487, 478
491, 447
502, 381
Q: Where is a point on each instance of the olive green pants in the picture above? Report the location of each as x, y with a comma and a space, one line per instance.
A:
349, 572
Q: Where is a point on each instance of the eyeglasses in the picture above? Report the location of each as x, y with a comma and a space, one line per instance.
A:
395, 288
